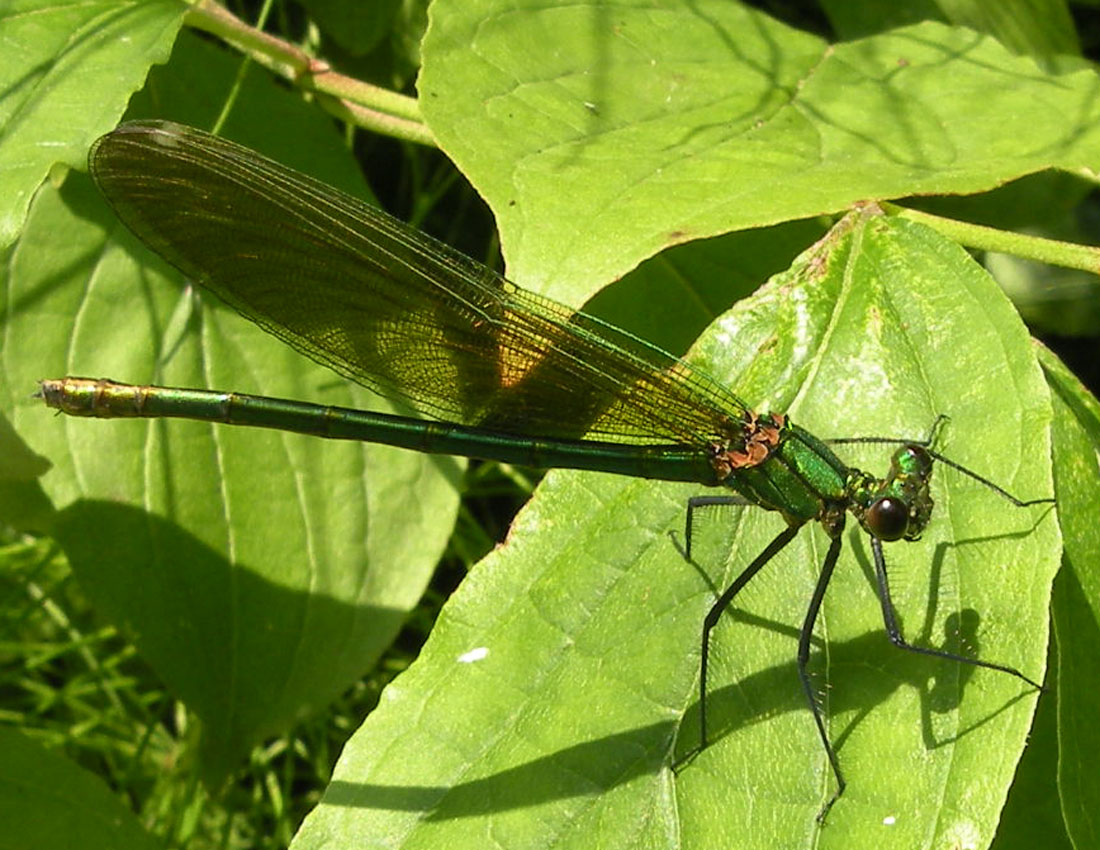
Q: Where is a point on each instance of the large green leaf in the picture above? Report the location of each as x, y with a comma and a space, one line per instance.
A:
68, 70
48, 803
559, 685
661, 123
1077, 598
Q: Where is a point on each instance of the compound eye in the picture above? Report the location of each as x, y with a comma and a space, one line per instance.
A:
888, 518
919, 462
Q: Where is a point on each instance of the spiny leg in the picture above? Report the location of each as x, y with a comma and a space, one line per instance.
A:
926, 444
893, 631
805, 636
923, 442
719, 607
696, 502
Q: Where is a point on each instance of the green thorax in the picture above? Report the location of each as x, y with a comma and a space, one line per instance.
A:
782, 467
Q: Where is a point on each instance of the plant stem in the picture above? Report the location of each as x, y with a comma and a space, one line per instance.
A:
363, 104
1052, 251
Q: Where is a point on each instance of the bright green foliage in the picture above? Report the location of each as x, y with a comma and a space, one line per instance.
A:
258, 574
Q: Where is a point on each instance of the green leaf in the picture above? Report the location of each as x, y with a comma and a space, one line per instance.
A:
68, 71
1077, 597
48, 802
654, 125
1032, 816
559, 685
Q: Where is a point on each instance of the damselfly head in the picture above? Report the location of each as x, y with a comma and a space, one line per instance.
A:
898, 506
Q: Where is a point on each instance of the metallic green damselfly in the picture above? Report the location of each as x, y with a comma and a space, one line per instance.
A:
506, 374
